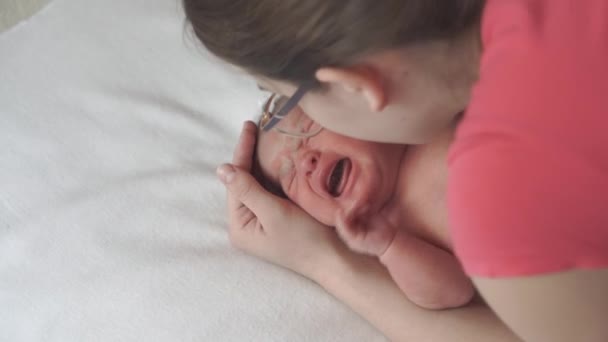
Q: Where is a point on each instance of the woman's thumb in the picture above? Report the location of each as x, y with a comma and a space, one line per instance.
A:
246, 189
226, 173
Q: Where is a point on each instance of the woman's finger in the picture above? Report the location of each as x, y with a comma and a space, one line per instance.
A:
244, 189
242, 158
245, 148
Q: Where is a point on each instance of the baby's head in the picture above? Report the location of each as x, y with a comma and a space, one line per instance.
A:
327, 172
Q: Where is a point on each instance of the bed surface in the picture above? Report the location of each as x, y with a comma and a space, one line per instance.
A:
112, 225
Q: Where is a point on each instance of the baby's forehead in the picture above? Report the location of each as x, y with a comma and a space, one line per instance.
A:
267, 151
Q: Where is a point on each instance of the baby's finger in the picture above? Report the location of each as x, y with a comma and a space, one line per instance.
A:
245, 148
245, 189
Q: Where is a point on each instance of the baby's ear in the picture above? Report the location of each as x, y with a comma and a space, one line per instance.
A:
363, 80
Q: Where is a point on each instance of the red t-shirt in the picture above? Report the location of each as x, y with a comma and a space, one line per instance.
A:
528, 187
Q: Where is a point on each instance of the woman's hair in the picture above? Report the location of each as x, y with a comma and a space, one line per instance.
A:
290, 39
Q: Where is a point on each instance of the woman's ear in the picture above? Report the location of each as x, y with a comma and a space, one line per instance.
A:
362, 80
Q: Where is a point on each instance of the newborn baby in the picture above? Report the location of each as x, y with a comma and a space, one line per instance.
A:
385, 200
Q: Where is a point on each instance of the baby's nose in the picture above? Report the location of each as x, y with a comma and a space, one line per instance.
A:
308, 161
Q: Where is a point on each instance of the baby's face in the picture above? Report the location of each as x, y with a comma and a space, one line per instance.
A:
330, 172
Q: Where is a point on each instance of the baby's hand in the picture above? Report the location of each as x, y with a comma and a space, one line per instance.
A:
371, 235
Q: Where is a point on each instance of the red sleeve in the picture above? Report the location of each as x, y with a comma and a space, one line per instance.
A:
528, 187
517, 210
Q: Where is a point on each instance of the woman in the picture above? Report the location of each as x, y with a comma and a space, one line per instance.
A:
527, 169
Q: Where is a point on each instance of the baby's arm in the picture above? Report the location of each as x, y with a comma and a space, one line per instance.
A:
429, 276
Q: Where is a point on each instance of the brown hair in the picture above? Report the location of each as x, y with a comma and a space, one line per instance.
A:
290, 39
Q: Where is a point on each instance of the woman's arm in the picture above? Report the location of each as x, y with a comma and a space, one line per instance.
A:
364, 285
560, 307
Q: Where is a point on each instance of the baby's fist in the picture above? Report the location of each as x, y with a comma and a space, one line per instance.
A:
366, 235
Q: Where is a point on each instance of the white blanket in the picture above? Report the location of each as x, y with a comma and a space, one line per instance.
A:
112, 222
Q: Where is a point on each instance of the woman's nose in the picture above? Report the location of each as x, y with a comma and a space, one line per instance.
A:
307, 161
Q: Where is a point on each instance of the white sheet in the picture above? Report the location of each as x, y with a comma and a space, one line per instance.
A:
112, 223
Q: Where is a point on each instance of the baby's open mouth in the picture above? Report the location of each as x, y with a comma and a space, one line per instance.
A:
338, 177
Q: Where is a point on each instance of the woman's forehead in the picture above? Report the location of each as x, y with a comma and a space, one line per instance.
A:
291, 121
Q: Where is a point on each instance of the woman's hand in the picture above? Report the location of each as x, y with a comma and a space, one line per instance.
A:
267, 226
